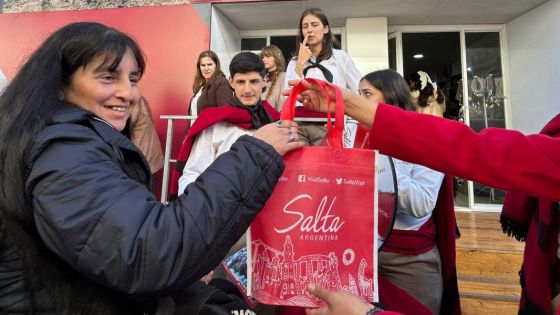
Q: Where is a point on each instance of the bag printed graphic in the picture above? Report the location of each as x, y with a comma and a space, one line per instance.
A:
318, 226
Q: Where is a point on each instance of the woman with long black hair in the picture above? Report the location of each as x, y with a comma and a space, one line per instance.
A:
80, 230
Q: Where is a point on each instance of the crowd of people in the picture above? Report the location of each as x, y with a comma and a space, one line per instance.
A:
82, 232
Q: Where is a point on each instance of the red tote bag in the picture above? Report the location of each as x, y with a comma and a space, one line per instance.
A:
319, 224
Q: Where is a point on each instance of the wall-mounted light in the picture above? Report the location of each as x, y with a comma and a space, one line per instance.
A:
469, 69
418, 56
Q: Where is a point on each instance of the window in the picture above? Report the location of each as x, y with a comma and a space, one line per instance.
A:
253, 44
449, 56
485, 96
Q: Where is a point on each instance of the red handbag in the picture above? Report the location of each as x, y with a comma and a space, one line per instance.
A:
319, 224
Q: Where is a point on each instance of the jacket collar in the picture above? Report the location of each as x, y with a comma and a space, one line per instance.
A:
73, 114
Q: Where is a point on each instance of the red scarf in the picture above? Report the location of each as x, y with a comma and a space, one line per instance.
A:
535, 221
412, 242
207, 118
440, 230
397, 300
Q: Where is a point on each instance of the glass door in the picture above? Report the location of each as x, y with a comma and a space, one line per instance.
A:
479, 101
486, 101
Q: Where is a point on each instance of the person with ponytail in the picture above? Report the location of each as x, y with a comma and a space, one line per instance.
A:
427, 97
275, 76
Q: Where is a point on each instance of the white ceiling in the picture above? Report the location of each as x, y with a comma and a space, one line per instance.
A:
285, 14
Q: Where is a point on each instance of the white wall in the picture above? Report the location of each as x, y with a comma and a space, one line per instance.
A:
225, 40
533, 41
367, 43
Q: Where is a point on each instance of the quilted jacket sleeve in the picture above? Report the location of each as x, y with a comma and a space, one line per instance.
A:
112, 229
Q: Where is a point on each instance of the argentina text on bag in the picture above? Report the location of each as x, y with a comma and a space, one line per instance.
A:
319, 224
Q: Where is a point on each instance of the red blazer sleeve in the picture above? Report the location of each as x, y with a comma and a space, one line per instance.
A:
505, 159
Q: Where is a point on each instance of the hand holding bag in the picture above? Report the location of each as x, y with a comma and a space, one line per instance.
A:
319, 224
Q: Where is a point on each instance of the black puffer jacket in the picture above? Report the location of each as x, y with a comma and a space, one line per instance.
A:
92, 208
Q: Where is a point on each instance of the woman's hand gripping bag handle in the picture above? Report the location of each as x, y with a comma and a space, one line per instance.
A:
334, 130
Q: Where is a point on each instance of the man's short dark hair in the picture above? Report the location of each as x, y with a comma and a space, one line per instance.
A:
245, 62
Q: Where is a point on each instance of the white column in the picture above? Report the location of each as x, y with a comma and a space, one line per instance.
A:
367, 43
225, 40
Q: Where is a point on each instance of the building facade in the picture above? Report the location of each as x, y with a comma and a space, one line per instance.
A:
494, 60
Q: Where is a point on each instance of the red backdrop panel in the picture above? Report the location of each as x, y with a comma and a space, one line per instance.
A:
171, 37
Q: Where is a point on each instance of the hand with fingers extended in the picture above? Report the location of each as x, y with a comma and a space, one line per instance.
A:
338, 303
304, 54
314, 100
282, 135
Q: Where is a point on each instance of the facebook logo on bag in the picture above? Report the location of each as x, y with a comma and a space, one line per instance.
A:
301, 179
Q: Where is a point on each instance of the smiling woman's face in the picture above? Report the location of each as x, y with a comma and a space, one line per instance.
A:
107, 94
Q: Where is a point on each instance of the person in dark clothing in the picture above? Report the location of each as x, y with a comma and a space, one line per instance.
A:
80, 231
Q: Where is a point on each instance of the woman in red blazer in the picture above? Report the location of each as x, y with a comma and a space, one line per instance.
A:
505, 159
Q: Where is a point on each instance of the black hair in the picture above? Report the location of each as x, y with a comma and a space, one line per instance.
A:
426, 93
395, 89
26, 107
245, 62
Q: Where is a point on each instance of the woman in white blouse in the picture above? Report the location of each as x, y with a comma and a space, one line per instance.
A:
319, 60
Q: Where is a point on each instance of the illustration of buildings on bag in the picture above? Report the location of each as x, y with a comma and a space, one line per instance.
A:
280, 274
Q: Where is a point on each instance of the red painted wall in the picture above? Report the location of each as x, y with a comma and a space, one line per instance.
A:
171, 37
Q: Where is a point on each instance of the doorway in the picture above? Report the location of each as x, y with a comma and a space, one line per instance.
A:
448, 57
439, 55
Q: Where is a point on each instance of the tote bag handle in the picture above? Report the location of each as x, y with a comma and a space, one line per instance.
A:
334, 131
